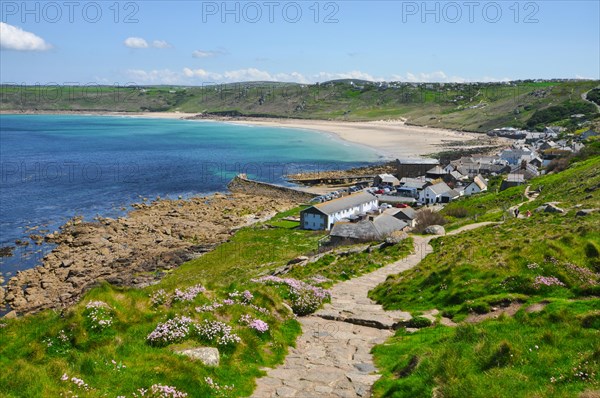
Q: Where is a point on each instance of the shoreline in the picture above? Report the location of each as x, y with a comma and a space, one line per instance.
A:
135, 250
390, 139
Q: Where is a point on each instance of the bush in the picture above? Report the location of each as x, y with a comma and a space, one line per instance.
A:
560, 112
418, 322
426, 218
458, 212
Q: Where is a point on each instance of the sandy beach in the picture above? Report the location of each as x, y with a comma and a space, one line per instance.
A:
391, 139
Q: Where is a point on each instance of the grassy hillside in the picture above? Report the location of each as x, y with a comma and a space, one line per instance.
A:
473, 107
548, 258
101, 347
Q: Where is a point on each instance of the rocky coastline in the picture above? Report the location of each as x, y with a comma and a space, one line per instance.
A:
134, 250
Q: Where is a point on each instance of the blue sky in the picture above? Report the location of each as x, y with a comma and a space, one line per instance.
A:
199, 42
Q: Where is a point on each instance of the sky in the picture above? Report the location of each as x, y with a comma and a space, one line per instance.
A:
204, 42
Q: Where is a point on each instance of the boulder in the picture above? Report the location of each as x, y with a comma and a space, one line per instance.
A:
209, 356
552, 208
585, 212
298, 260
6, 251
396, 237
435, 230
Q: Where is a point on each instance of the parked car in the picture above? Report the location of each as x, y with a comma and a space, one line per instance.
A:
379, 191
401, 205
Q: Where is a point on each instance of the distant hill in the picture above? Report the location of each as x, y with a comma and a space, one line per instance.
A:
464, 106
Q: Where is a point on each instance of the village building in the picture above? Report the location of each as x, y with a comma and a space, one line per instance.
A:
410, 187
433, 193
450, 195
478, 185
407, 214
514, 155
435, 173
322, 216
512, 180
413, 168
374, 227
386, 179
396, 199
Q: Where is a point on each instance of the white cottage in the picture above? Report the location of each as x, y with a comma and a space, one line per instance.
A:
433, 193
478, 185
322, 216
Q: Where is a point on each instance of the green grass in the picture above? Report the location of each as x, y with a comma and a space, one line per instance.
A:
491, 265
508, 357
348, 266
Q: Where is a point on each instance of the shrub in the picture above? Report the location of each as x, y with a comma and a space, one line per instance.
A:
418, 322
458, 212
426, 218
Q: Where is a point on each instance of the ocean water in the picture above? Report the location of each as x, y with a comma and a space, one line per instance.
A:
54, 167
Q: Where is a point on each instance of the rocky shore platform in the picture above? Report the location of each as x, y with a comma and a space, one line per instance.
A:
134, 250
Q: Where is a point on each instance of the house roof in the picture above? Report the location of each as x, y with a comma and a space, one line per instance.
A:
417, 183
453, 193
480, 182
437, 170
388, 178
439, 188
408, 212
346, 202
513, 177
381, 226
456, 174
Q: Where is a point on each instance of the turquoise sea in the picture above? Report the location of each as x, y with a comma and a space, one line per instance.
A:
54, 167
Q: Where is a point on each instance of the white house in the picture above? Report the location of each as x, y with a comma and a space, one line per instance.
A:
433, 193
478, 185
323, 215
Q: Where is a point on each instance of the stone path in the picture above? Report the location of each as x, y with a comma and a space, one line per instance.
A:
332, 356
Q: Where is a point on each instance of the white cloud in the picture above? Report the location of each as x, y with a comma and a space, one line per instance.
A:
156, 76
135, 42
201, 73
195, 76
206, 54
160, 44
442, 77
15, 38
356, 74
138, 42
